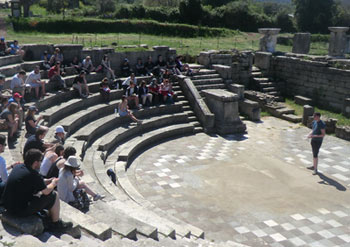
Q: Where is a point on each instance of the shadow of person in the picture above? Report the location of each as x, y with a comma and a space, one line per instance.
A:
331, 182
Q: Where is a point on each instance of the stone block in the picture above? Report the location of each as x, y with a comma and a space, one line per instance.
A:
223, 70
346, 107
307, 112
300, 100
35, 51
263, 60
251, 109
301, 43
343, 132
32, 225
224, 105
237, 89
224, 59
70, 51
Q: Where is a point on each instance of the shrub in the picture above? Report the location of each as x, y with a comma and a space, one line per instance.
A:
114, 26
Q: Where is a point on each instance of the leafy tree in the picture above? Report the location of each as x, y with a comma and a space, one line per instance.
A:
26, 6
216, 3
315, 16
191, 11
105, 6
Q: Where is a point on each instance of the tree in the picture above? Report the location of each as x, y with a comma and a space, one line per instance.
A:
191, 11
106, 6
315, 16
26, 6
216, 3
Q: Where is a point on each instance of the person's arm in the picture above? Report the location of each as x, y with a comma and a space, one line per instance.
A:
323, 133
32, 123
3, 170
50, 187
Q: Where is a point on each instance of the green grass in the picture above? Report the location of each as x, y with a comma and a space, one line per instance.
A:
342, 120
265, 114
191, 46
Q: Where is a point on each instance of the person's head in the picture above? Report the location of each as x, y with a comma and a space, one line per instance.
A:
2, 143
105, 57
58, 64
33, 158
149, 59
2, 40
132, 76
82, 73
17, 97
166, 81
72, 163
45, 53
22, 74
160, 58
40, 133
317, 116
69, 151
88, 58
4, 101
32, 110
153, 82
15, 42
126, 61
37, 69
59, 149
124, 98
143, 83
13, 107
60, 132
139, 61
57, 50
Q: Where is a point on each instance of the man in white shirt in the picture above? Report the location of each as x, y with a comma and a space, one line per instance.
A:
17, 83
34, 81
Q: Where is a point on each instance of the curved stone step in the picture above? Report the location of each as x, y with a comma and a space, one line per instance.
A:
201, 77
74, 121
11, 70
123, 133
53, 114
101, 126
10, 59
205, 72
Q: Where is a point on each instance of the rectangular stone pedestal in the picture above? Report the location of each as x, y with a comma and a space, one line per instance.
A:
224, 105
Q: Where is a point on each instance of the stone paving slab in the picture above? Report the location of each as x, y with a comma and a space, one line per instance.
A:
253, 189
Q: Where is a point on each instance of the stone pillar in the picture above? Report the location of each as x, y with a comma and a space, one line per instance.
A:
308, 111
301, 43
337, 43
224, 105
346, 107
269, 40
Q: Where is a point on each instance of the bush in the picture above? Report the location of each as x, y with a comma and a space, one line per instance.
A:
190, 11
114, 26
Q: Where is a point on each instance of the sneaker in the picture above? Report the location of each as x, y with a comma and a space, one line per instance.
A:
315, 172
98, 197
60, 225
310, 167
139, 122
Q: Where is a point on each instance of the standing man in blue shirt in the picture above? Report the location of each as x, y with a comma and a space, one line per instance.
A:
316, 135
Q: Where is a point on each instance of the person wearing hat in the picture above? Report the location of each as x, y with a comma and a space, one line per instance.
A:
87, 65
26, 192
69, 181
60, 135
4, 50
31, 123
34, 81
17, 83
17, 98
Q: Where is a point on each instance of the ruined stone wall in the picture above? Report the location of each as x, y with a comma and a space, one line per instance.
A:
326, 86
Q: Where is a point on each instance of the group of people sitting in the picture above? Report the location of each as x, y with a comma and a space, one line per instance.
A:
12, 49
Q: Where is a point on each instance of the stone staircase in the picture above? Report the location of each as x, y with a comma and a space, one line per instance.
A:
265, 84
206, 78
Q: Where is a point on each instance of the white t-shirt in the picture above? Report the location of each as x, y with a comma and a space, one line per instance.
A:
33, 78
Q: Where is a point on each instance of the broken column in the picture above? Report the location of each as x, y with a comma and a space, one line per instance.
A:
337, 43
307, 113
224, 105
301, 43
269, 40
346, 107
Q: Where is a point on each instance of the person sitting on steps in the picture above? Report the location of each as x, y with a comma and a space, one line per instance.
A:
26, 193
123, 110
80, 83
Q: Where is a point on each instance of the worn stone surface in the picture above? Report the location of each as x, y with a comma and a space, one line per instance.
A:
301, 43
237, 89
269, 40
30, 225
223, 70
262, 60
224, 105
300, 100
250, 109
337, 43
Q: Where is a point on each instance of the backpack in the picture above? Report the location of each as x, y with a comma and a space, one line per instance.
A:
82, 201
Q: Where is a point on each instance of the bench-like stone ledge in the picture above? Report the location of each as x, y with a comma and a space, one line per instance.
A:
32, 225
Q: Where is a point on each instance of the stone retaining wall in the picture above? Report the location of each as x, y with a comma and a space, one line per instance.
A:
327, 86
